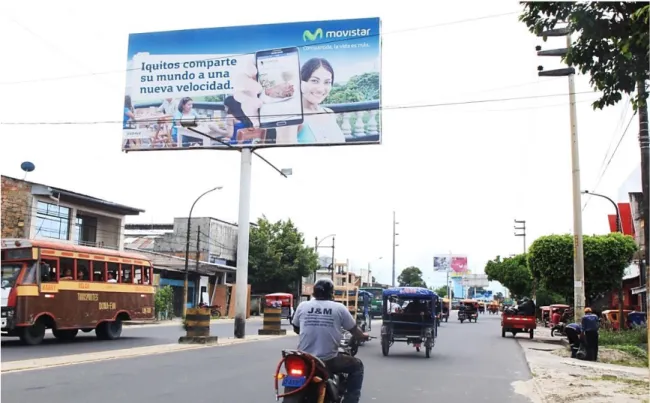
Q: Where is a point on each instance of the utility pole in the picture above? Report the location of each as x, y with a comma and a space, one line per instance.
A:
198, 259
522, 230
333, 261
395, 234
578, 250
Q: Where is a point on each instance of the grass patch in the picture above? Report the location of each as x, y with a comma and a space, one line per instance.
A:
631, 337
629, 381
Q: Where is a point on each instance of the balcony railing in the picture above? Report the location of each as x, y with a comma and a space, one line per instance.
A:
100, 244
359, 121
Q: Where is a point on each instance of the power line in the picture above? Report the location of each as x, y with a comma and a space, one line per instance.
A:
620, 140
216, 119
486, 17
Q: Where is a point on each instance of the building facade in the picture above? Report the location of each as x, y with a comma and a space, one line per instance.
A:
36, 211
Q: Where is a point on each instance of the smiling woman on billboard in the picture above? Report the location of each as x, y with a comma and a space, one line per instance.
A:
319, 125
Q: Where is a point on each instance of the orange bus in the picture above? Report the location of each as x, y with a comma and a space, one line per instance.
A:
67, 288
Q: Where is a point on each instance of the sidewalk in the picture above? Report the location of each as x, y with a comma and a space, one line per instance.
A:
557, 378
179, 322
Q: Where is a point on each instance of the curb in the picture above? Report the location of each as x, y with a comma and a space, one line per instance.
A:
174, 322
536, 387
52, 362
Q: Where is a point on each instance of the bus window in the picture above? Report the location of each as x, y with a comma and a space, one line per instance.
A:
67, 268
137, 274
99, 269
49, 273
113, 269
147, 275
10, 274
83, 274
127, 273
30, 276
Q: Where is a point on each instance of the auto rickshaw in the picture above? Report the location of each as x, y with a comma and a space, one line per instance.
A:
493, 308
546, 315
610, 318
363, 311
561, 309
468, 311
415, 324
281, 300
481, 307
445, 309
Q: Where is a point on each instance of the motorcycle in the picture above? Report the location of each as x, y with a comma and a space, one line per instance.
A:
558, 330
307, 377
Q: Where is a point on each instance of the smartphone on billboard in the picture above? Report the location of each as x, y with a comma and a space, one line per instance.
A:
278, 72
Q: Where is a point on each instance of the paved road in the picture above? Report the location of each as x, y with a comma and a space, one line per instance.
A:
85, 343
470, 363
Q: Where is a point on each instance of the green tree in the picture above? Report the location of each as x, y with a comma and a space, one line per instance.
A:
513, 273
613, 47
163, 302
442, 291
606, 258
278, 256
411, 277
498, 296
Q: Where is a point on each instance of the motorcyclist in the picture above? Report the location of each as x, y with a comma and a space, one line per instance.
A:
319, 323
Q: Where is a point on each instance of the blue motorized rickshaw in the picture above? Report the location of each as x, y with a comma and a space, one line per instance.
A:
410, 317
363, 311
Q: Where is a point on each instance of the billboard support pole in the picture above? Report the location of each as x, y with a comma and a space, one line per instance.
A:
448, 283
243, 228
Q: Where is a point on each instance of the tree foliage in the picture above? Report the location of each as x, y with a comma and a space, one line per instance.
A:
411, 277
612, 45
442, 291
278, 256
513, 273
606, 258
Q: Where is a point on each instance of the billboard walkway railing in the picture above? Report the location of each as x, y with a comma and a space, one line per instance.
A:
359, 121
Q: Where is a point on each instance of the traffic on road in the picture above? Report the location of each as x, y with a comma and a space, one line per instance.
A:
244, 373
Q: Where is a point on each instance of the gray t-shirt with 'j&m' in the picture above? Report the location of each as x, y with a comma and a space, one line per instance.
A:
321, 323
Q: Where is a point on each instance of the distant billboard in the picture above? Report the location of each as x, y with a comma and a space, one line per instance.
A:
295, 84
456, 265
475, 280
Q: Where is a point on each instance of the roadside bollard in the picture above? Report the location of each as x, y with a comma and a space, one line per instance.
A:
197, 327
271, 325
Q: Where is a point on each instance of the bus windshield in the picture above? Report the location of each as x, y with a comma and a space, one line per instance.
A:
376, 292
10, 274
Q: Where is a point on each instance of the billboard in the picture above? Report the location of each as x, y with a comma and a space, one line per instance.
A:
294, 84
456, 265
476, 280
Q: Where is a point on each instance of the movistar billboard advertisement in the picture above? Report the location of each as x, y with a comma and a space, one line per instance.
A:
295, 84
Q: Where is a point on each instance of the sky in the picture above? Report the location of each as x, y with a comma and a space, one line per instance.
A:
456, 173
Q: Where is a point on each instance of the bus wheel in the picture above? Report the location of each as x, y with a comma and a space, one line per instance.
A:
109, 330
34, 334
65, 334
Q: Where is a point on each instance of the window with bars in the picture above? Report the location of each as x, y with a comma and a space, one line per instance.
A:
52, 221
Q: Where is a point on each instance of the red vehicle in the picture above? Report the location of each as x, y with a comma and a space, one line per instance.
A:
68, 288
283, 301
518, 324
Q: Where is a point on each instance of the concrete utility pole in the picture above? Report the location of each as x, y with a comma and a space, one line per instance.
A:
522, 230
578, 250
395, 234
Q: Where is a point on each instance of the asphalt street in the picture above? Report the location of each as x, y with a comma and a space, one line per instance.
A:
86, 343
470, 363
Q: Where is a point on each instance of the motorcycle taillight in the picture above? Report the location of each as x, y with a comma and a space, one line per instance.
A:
295, 366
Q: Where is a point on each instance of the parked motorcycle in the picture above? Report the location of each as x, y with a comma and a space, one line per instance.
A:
307, 377
558, 330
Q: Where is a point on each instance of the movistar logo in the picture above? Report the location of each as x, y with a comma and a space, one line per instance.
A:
307, 36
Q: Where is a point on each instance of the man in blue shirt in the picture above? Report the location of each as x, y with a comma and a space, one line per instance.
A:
573, 332
590, 326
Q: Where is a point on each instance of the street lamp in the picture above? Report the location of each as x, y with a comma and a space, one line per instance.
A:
187, 247
619, 228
